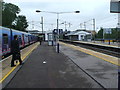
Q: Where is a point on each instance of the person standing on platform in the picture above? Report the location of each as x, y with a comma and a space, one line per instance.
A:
15, 50
40, 39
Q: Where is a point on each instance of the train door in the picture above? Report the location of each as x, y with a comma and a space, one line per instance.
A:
23, 40
5, 43
20, 41
27, 41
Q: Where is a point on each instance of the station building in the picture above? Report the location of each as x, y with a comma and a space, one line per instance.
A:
46, 35
81, 35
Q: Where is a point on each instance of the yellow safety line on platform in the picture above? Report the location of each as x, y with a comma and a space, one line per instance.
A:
76, 47
16, 65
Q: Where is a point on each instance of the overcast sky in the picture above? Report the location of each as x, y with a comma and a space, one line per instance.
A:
89, 9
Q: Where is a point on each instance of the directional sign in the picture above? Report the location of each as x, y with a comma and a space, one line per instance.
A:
107, 30
55, 31
115, 6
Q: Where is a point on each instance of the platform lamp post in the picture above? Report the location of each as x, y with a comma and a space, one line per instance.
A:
57, 13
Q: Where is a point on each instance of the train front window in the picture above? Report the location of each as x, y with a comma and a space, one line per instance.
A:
5, 39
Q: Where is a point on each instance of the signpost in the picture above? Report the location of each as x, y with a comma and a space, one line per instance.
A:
107, 30
115, 8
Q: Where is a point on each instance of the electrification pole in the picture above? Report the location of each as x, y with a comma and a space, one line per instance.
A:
57, 46
94, 28
94, 24
42, 24
85, 25
65, 25
57, 23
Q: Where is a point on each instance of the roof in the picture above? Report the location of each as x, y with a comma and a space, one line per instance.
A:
77, 32
71, 33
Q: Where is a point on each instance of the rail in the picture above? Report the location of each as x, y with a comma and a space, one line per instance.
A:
110, 50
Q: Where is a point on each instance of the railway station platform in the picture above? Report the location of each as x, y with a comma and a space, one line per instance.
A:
5, 65
106, 43
102, 67
115, 45
71, 68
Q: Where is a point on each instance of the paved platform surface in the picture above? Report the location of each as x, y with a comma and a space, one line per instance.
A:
104, 72
105, 57
45, 68
6, 63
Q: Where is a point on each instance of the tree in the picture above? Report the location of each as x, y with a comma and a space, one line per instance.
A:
115, 34
20, 23
10, 18
99, 35
118, 36
9, 13
0, 13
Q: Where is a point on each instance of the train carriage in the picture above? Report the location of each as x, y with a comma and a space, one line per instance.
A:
7, 35
26, 39
20, 37
0, 42
6, 40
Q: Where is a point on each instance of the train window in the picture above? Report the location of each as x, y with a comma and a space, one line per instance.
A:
5, 39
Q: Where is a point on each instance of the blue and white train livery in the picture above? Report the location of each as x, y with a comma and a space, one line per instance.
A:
7, 35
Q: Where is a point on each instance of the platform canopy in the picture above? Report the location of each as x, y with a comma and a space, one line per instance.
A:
115, 6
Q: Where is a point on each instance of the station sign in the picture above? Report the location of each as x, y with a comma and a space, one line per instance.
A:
115, 6
55, 31
107, 30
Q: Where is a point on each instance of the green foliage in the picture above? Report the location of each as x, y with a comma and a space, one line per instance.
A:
99, 35
9, 13
0, 13
10, 18
115, 34
20, 23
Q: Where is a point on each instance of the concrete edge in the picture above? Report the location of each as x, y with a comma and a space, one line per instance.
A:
12, 75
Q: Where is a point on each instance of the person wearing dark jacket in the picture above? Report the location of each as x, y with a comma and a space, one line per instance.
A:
15, 50
40, 39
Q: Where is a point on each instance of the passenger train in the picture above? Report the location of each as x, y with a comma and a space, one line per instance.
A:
7, 35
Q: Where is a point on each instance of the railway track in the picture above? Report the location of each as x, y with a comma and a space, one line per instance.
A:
102, 49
